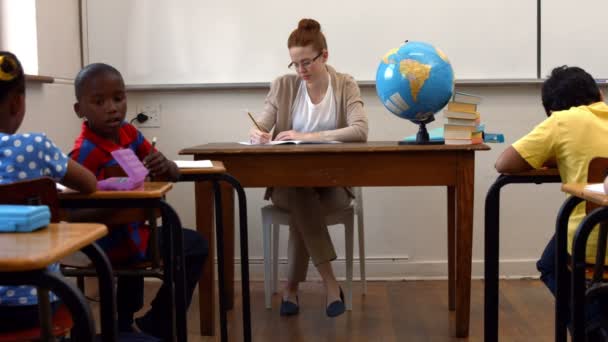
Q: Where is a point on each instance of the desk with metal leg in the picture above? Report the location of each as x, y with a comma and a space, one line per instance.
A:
575, 287
151, 196
24, 258
215, 175
492, 236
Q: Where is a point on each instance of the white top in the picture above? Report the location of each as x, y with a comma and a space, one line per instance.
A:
308, 117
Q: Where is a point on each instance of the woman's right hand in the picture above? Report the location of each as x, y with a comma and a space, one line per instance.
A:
258, 137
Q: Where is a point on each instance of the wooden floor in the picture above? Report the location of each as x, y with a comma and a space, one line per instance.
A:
391, 311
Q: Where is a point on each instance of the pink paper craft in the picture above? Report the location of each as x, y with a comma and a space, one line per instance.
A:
133, 167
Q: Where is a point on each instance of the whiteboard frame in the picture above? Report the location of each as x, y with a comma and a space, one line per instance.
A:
266, 85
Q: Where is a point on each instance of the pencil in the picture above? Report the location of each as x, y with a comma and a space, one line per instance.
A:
153, 144
255, 123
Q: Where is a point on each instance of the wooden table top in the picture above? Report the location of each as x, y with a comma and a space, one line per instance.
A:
372, 146
218, 167
578, 190
38, 249
150, 190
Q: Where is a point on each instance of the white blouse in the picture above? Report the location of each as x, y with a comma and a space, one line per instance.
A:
308, 117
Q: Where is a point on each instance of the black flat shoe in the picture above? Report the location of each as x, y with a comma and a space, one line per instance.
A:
289, 308
336, 308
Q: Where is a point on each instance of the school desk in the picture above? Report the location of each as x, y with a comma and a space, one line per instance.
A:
574, 289
151, 196
356, 164
216, 177
492, 236
24, 258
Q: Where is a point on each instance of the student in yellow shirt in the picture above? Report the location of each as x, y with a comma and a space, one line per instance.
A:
574, 133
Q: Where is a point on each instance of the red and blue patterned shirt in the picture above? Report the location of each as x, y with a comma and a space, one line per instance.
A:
126, 243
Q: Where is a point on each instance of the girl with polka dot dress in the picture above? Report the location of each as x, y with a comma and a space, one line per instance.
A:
26, 156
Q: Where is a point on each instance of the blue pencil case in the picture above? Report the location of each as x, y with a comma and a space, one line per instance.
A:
23, 218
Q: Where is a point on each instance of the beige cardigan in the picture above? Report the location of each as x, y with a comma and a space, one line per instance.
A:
351, 120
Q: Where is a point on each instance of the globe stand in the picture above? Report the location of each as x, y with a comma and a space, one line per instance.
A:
422, 137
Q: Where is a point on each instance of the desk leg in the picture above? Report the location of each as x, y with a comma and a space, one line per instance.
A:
464, 236
174, 268
45, 314
491, 267
228, 221
219, 235
578, 287
107, 291
204, 225
562, 289
451, 248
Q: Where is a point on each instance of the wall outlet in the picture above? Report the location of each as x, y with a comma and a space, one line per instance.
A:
153, 112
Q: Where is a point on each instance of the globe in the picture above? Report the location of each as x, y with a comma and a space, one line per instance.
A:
415, 81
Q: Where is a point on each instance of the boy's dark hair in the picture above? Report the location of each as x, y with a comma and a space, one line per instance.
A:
12, 77
90, 71
569, 87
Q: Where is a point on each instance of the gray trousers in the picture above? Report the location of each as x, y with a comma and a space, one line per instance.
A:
308, 234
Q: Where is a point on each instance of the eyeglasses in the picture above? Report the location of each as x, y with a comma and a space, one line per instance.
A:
305, 63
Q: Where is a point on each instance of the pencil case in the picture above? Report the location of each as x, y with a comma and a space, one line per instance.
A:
493, 138
23, 218
133, 167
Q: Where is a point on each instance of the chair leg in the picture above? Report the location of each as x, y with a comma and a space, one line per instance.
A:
266, 230
276, 229
80, 283
362, 253
349, 237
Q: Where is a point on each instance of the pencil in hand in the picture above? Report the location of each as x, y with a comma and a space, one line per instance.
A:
255, 123
153, 145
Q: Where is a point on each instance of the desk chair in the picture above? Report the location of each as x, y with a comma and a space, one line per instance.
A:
79, 266
36, 192
595, 275
61, 325
597, 172
272, 219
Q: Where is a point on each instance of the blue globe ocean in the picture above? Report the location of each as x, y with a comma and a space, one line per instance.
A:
415, 81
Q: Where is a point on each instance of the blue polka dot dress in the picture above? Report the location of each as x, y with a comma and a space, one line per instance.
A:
28, 156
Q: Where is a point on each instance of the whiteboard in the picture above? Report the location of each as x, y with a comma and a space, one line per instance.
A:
242, 41
575, 33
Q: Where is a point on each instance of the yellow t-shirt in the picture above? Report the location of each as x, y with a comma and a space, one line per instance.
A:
573, 137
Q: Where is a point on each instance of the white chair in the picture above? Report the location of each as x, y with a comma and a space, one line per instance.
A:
272, 219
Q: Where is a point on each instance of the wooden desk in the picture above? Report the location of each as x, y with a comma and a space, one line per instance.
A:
151, 196
492, 237
37, 250
217, 168
151, 190
24, 258
356, 164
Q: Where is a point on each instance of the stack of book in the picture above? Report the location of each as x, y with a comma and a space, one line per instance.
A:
463, 125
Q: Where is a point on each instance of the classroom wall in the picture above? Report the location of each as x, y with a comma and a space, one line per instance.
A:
49, 106
405, 227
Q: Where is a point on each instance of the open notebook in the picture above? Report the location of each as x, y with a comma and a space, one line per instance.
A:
293, 142
193, 164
